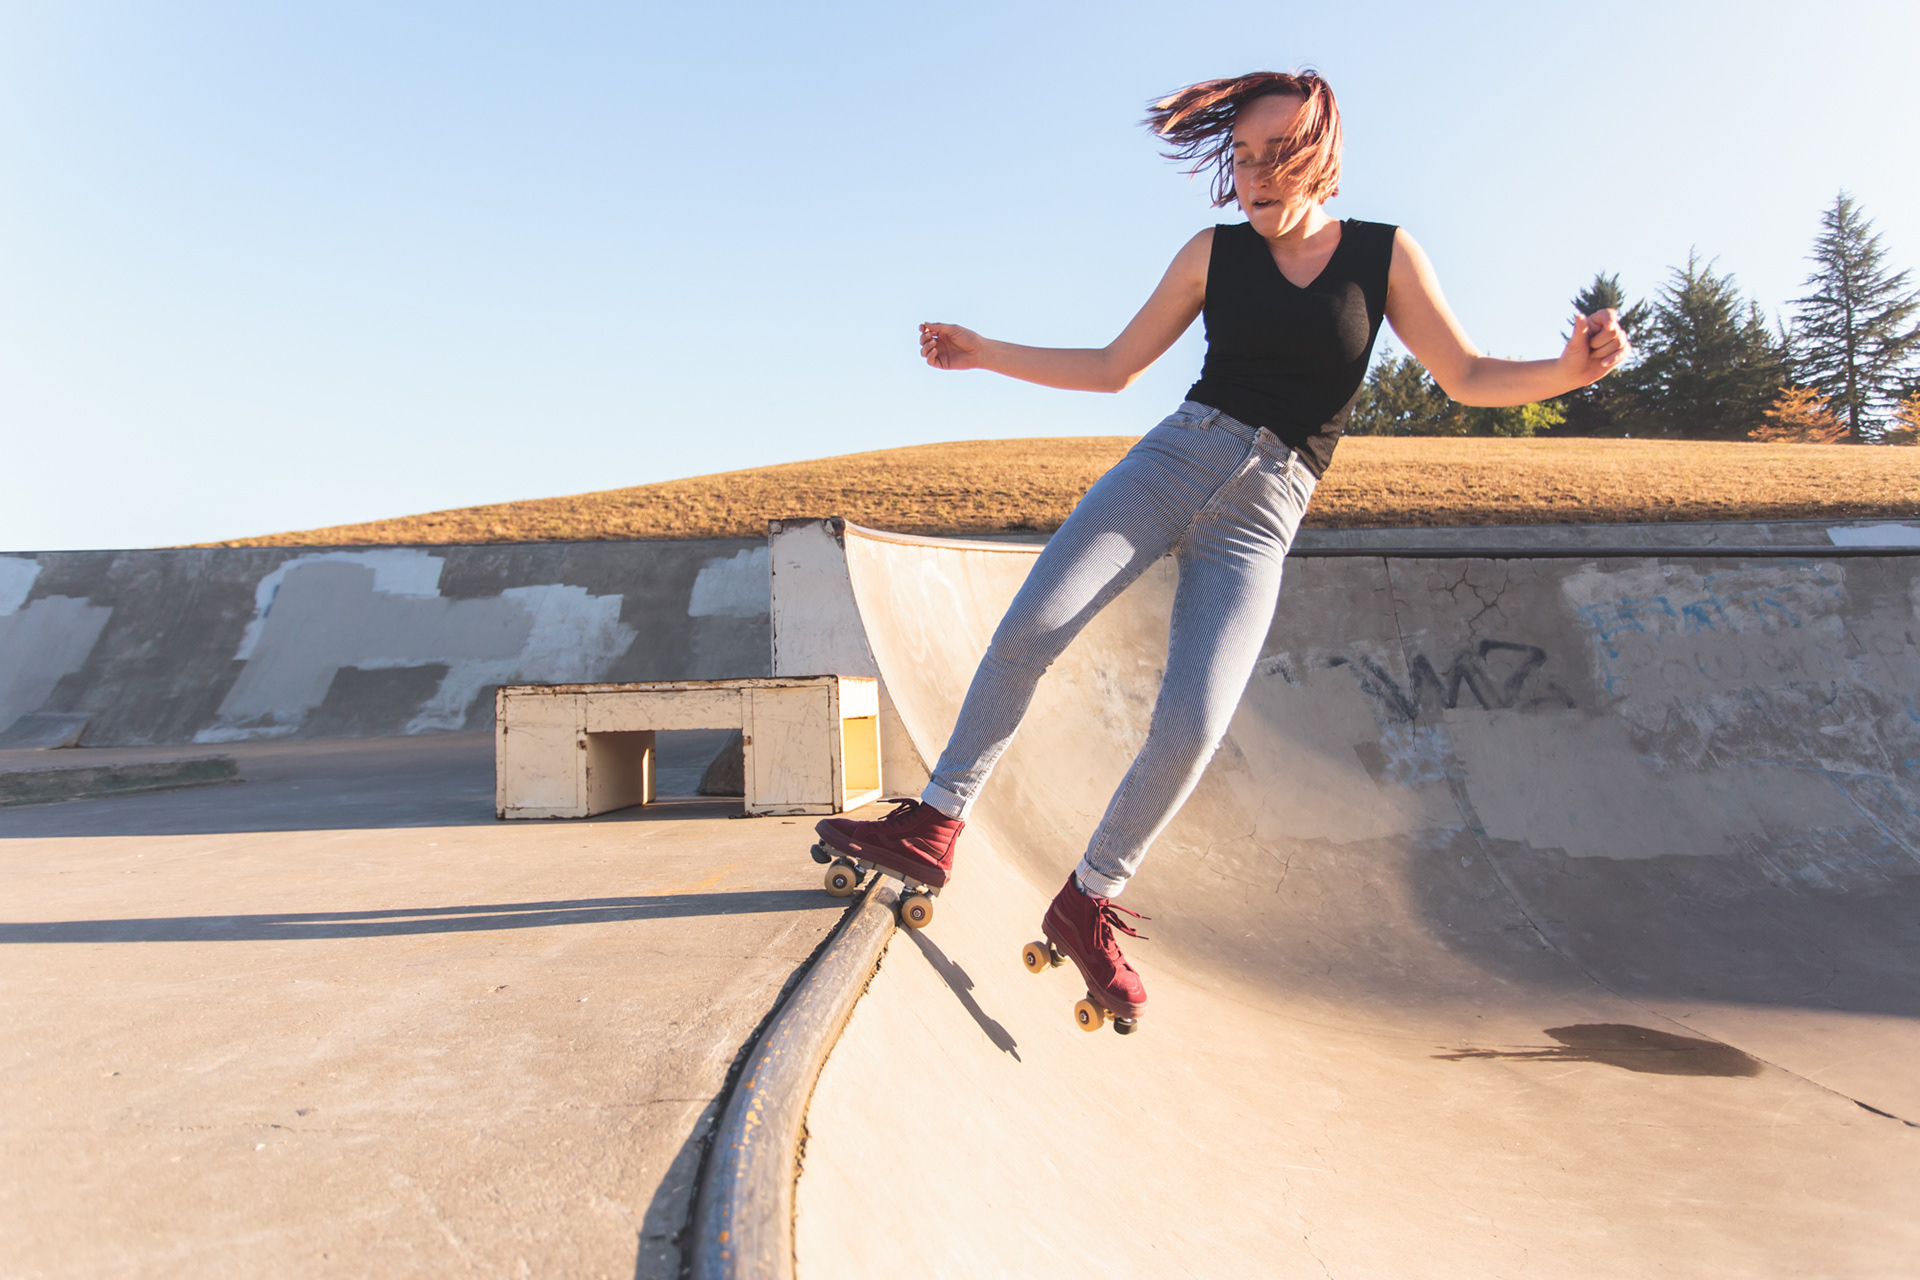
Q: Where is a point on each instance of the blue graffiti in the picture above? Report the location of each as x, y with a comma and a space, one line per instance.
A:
1728, 597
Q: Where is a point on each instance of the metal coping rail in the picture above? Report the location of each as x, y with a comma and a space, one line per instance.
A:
743, 1207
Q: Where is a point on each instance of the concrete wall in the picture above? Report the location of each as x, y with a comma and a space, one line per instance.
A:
119, 648
114, 648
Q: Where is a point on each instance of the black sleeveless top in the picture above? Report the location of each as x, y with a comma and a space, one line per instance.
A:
1286, 358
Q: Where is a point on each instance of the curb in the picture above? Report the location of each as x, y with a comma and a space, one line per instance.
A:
743, 1207
91, 782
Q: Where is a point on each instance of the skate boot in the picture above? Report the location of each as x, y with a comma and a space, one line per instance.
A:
914, 844
1080, 927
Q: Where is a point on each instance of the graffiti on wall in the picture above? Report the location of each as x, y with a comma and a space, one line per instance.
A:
1495, 675
1772, 601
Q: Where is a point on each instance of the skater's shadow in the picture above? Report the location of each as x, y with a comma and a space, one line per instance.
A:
409, 921
961, 985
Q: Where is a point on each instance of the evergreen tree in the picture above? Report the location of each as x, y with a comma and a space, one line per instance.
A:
1851, 339
1800, 416
1905, 428
1592, 410
1401, 399
1604, 292
1710, 367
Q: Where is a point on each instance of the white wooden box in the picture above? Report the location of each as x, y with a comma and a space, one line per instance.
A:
812, 743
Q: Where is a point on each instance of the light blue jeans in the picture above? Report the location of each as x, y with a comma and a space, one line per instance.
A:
1223, 498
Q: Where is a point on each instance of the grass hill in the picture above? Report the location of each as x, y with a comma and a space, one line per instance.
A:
988, 486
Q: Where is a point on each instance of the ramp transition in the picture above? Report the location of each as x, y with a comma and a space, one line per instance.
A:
1538, 916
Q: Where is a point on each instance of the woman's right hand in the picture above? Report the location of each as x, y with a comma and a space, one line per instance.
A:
949, 346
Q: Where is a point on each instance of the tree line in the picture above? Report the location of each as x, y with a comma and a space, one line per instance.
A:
1843, 367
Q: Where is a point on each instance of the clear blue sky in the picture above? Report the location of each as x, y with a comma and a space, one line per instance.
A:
268, 266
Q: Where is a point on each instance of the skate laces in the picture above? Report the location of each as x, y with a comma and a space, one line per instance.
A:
1108, 919
903, 810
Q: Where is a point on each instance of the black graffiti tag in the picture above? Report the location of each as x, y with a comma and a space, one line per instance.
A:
1429, 690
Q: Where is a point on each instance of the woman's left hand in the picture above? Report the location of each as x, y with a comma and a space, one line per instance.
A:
1596, 347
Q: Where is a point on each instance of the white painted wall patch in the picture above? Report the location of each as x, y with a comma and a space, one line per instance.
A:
732, 587
16, 579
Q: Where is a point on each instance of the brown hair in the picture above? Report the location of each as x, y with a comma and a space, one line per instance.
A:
1198, 120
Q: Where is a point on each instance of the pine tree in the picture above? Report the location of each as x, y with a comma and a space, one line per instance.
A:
1592, 410
1851, 340
1710, 366
1604, 292
1906, 421
1401, 399
1800, 416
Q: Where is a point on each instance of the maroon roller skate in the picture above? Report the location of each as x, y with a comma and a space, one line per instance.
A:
1079, 927
913, 844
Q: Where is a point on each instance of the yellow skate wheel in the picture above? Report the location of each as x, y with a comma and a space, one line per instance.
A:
842, 880
916, 911
1089, 1015
1034, 956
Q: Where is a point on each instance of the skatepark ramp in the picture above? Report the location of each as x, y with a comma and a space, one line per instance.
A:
1540, 915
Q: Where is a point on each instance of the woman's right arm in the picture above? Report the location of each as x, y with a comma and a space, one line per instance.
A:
1175, 302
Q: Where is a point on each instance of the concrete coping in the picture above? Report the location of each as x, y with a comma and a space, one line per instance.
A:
1751, 539
743, 1206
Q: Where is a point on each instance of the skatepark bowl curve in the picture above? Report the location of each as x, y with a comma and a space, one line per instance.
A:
1538, 917
1549, 911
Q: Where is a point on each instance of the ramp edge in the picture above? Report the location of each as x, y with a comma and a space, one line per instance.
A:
1462, 551
743, 1206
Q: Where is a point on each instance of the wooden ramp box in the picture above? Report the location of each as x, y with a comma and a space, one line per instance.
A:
812, 743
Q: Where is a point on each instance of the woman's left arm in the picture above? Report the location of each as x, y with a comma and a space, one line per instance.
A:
1422, 320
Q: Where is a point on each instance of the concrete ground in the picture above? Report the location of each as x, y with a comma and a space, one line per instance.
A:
336, 1019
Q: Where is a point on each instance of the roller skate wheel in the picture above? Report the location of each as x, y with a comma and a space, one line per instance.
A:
1126, 1026
916, 911
1089, 1015
1035, 956
842, 879
821, 854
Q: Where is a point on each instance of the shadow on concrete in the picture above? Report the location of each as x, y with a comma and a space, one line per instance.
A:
666, 1228
961, 985
326, 804
403, 921
1630, 1048
1751, 929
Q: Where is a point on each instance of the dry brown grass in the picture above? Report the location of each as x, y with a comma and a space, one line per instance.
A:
985, 486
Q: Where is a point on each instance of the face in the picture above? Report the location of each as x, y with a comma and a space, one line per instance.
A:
1257, 132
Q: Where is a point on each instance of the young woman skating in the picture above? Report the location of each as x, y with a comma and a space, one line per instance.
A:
1293, 301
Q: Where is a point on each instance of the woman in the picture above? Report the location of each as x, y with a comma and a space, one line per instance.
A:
1293, 301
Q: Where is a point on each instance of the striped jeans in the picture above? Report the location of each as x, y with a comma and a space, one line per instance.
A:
1225, 500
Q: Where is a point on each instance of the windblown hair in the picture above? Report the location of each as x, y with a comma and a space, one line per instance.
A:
1198, 121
